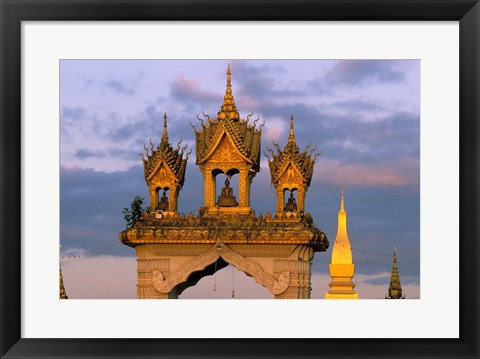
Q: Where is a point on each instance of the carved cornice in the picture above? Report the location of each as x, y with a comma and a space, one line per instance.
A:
275, 286
232, 229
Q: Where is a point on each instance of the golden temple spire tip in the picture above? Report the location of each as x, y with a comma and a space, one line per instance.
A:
291, 135
228, 108
395, 288
342, 201
229, 79
165, 132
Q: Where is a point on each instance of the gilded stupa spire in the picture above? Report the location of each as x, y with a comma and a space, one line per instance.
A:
342, 202
341, 267
165, 132
228, 108
342, 252
63, 293
395, 288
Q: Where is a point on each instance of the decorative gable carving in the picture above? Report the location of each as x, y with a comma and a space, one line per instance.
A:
226, 152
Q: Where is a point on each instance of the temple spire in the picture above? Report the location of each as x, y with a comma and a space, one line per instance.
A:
292, 143
291, 135
165, 132
229, 80
395, 288
63, 293
342, 252
342, 201
229, 109
341, 267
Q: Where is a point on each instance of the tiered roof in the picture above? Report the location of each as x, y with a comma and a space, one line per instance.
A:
245, 136
303, 161
173, 158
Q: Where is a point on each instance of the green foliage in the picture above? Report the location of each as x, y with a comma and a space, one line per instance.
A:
133, 214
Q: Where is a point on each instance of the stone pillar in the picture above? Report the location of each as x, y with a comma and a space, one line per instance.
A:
300, 285
145, 266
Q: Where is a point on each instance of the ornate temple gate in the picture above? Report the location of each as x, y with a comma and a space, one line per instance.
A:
175, 250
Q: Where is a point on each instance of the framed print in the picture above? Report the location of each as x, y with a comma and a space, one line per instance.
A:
387, 90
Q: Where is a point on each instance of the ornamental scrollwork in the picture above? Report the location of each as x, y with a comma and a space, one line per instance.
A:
251, 268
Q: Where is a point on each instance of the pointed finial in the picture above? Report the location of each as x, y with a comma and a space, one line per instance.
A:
342, 201
229, 79
291, 136
395, 288
165, 133
228, 108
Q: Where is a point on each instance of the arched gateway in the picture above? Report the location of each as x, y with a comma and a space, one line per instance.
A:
175, 251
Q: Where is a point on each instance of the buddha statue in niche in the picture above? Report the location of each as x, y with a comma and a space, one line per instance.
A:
163, 202
227, 199
291, 204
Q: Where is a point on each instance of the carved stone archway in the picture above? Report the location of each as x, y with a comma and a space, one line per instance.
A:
165, 271
166, 285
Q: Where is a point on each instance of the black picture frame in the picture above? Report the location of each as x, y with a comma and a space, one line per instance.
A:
467, 12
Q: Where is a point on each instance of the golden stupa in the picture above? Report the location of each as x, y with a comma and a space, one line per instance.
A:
342, 268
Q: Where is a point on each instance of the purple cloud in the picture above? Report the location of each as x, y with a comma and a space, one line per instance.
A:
75, 113
120, 87
184, 89
364, 72
84, 153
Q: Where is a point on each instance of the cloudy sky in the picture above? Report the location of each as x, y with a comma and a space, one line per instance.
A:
364, 115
